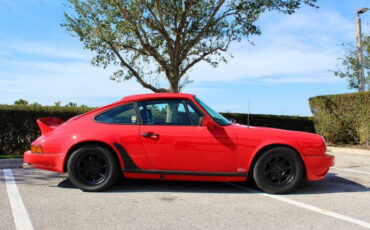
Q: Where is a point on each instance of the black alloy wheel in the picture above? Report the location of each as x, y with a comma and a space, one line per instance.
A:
278, 170
92, 168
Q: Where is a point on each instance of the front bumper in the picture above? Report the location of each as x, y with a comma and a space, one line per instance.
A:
51, 162
318, 166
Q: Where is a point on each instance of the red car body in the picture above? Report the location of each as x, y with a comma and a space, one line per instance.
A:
221, 153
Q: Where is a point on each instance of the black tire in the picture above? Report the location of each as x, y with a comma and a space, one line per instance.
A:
278, 170
92, 168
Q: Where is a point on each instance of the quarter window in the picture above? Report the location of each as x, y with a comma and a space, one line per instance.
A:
121, 115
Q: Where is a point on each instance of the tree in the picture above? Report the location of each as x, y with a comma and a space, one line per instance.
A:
71, 104
152, 39
35, 104
57, 104
21, 102
349, 68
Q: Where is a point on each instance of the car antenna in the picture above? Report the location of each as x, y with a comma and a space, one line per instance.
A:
248, 113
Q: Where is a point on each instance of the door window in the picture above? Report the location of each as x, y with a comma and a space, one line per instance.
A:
195, 113
164, 112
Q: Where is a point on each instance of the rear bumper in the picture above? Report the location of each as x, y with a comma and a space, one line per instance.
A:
318, 166
51, 162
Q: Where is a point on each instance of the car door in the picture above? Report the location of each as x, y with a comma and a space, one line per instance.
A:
120, 126
174, 139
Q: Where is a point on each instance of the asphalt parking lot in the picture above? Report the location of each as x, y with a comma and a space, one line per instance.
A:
47, 200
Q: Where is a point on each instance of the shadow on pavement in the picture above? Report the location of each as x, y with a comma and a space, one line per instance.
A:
133, 186
33, 177
331, 184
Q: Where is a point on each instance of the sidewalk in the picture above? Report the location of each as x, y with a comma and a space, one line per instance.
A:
348, 150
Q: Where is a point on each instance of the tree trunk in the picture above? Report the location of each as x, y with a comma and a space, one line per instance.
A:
174, 86
172, 110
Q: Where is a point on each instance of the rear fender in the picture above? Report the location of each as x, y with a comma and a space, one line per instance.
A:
96, 142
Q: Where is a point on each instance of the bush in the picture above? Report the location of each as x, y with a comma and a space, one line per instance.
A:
274, 121
18, 127
342, 118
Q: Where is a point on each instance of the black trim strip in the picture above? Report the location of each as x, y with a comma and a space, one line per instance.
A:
131, 167
128, 163
187, 111
188, 173
138, 115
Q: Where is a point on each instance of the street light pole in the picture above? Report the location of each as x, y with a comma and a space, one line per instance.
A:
360, 61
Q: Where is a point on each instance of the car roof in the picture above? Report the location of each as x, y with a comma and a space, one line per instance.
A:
138, 97
146, 96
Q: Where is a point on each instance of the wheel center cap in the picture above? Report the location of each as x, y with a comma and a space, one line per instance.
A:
277, 169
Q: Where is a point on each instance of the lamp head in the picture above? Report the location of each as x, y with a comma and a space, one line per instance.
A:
363, 10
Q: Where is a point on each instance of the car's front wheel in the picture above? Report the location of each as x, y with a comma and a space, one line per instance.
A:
92, 168
278, 170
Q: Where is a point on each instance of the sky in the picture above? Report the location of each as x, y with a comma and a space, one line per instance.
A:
288, 63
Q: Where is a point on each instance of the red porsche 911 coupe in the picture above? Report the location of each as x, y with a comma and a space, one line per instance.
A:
174, 136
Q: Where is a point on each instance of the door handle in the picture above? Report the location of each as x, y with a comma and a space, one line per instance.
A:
150, 135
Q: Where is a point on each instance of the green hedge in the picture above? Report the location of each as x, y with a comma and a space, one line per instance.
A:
274, 121
342, 118
18, 127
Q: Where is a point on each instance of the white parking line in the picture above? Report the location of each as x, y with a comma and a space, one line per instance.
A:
320, 210
308, 207
351, 170
20, 215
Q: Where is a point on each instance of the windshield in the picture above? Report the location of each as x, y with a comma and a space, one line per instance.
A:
216, 116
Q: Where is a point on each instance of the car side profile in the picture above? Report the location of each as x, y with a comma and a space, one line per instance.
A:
174, 136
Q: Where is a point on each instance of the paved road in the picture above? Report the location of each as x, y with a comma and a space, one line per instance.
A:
341, 201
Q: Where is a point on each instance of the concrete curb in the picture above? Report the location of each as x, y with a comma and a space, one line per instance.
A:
11, 163
348, 150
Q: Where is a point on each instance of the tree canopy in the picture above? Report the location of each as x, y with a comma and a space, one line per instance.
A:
151, 40
21, 102
349, 65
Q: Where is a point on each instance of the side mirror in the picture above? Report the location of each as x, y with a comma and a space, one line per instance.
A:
209, 122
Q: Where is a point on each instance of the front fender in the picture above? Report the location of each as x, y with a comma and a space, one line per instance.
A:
248, 152
251, 140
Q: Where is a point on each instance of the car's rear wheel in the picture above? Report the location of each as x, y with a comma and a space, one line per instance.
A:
278, 170
92, 168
